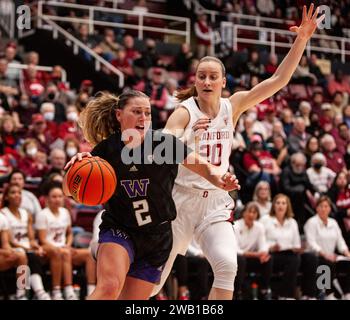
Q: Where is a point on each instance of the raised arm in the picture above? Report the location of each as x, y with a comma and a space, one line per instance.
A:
243, 100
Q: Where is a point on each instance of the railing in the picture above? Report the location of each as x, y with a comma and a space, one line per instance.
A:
140, 27
116, 2
56, 29
7, 17
39, 68
249, 19
272, 34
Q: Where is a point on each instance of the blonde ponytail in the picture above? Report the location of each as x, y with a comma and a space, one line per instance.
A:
98, 120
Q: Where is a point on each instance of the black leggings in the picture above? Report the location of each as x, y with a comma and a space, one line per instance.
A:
246, 264
308, 268
288, 262
181, 270
199, 268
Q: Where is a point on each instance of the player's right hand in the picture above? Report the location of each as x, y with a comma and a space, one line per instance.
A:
201, 124
78, 157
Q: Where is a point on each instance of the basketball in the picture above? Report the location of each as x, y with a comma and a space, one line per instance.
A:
91, 181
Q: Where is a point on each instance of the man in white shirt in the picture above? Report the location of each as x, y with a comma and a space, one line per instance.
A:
253, 252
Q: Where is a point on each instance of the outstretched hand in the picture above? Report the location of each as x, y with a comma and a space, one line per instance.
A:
308, 24
78, 157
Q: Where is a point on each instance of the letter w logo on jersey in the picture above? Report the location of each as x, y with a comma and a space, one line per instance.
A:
135, 188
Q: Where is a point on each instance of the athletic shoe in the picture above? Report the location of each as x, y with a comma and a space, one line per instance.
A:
346, 296
56, 295
71, 296
42, 295
307, 298
331, 296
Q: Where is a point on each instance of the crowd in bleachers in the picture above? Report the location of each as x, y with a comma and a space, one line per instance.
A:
295, 143
289, 10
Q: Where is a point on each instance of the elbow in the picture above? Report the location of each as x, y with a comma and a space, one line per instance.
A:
281, 79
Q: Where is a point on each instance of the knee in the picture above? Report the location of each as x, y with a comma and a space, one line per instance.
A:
109, 288
225, 271
226, 267
66, 254
55, 253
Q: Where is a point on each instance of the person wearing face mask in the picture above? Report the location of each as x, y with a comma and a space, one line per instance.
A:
53, 96
70, 128
30, 164
319, 175
47, 109
71, 147
82, 100
295, 183
40, 133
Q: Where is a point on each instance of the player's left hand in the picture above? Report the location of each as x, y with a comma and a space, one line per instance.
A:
308, 24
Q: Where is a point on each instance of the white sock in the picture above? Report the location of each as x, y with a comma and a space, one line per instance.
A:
20, 292
36, 283
90, 288
68, 290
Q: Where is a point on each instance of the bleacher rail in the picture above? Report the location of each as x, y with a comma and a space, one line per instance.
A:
140, 27
256, 19
273, 44
56, 29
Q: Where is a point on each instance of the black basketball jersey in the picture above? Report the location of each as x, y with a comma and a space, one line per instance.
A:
143, 196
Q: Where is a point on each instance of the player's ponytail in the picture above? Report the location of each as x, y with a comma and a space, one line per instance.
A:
98, 120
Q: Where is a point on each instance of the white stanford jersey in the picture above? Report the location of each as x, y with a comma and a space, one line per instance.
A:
55, 225
3, 223
214, 144
18, 226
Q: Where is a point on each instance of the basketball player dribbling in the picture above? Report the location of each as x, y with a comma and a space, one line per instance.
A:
210, 120
135, 236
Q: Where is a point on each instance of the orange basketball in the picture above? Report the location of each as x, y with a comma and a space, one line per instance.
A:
91, 181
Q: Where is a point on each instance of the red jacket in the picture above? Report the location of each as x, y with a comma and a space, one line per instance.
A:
31, 168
